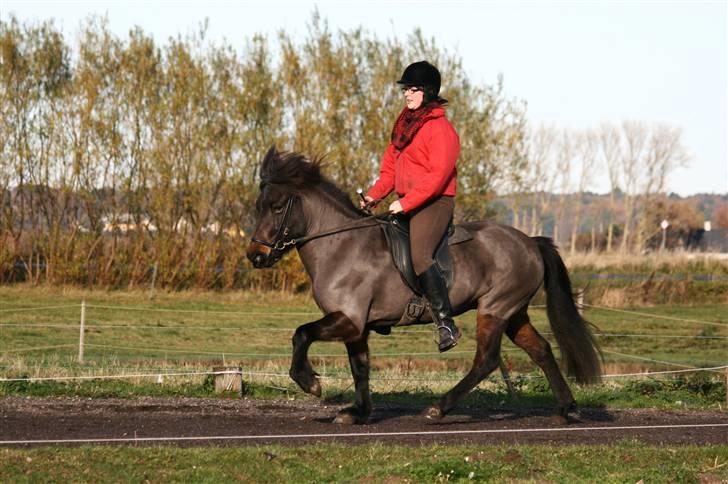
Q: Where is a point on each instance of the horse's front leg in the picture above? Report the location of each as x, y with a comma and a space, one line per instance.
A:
334, 326
359, 361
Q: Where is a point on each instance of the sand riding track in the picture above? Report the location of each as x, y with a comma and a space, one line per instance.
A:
199, 422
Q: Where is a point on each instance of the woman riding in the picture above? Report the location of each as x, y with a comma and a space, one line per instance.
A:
419, 164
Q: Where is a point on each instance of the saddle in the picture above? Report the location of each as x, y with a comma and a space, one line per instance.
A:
396, 231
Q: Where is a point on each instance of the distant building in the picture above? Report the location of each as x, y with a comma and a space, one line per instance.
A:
215, 228
125, 222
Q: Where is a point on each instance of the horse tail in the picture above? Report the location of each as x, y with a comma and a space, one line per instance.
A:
579, 350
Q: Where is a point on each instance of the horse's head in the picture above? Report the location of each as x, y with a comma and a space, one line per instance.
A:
280, 219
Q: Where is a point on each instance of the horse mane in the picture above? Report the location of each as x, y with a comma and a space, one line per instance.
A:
296, 172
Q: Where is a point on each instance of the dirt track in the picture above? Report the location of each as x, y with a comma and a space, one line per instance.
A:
66, 418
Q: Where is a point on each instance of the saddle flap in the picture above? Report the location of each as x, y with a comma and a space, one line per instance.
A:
396, 231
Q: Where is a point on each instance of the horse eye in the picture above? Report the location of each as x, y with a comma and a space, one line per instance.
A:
277, 209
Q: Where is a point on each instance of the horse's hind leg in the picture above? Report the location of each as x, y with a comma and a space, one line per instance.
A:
522, 333
488, 336
332, 327
359, 361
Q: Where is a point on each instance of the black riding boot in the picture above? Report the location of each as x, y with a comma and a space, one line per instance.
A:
434, 287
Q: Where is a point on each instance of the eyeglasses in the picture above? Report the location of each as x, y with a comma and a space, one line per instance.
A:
411, 89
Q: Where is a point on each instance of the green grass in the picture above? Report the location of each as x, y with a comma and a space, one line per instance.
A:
626, 462
254, 330
696, 392
404, 377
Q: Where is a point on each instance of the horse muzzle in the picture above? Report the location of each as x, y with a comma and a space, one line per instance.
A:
260, 255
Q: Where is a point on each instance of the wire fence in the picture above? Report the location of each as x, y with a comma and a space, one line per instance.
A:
395, 332
171, 372
659, 316
86, 326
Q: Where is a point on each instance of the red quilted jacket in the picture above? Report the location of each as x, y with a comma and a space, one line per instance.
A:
425, 168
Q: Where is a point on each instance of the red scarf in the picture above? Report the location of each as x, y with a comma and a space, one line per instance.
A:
409, 123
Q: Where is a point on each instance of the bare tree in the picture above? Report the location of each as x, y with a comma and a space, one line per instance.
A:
585, 150
564, 162
610, 150
663, 154
635, 138
128, 154
540, 176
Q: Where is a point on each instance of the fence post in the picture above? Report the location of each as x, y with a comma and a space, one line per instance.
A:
507, 378
580, 299
80, 335
154, 279
242, 383
229, 378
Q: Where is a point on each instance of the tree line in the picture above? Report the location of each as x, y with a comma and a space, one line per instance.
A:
565, 164
125, 161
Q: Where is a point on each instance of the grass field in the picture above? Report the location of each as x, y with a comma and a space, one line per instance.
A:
627, 462
131, 333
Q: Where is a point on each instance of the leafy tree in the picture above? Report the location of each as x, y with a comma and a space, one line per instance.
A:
125, 160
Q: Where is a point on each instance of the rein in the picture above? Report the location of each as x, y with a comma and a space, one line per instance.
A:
342, 228
280, 244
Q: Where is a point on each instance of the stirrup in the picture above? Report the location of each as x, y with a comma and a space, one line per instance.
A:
449, 341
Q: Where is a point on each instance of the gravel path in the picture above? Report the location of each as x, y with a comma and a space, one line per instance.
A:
255, 422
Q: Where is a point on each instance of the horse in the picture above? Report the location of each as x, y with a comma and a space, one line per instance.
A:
357, 287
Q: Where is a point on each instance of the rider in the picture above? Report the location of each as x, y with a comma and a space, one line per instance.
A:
419, 164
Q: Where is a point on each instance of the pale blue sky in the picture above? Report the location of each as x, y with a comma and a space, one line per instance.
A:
575, 63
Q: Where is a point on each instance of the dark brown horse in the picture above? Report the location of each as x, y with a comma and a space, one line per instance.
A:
356, 285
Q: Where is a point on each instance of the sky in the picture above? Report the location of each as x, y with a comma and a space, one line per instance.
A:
576, 64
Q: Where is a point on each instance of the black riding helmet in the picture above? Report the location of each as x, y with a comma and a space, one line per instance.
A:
422, 74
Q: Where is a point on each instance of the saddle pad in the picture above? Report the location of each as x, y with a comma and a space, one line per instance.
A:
458, 234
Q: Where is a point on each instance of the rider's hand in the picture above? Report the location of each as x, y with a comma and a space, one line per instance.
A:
362, 203
395, 207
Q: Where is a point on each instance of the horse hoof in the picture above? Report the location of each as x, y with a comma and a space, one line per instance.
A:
433, 413
307, 382
559, 420
345, 418
561, 416
315, 388
350, 416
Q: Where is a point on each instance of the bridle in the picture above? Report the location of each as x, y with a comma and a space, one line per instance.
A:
279, 245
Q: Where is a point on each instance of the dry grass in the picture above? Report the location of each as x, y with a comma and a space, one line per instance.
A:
669, 262
161, 296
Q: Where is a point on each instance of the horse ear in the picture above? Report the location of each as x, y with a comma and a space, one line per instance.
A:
271, 154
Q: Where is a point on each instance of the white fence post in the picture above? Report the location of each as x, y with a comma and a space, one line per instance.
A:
507, 379
580, 300
80, 335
